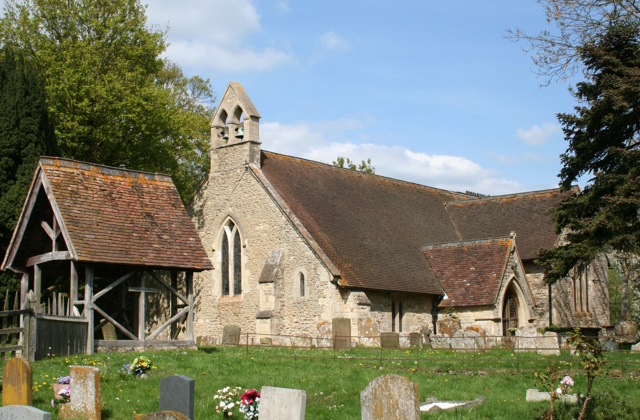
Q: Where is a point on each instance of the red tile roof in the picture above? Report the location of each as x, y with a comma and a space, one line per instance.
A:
470, 271
370, 227
119, 216
527, 214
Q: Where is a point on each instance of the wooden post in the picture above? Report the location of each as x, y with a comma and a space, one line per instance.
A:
189, 280
37, 282
174, 305
73, 289
24, 289
142, 301
88, 306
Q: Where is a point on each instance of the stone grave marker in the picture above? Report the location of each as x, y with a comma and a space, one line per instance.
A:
390, 397
23, 412
231, 335
282, 403
177, 393
390, 340
341, 333
85, 394
17, 382
548, 344
161, 415
415, 339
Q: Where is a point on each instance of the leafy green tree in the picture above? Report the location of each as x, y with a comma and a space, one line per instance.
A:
25, 134
366, 167
112, 98
556, 51
604, 143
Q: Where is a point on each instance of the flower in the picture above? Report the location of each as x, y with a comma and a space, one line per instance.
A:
63, 380
565, 385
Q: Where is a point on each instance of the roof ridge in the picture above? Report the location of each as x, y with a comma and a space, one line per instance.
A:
104, 169
368, 174
512, 195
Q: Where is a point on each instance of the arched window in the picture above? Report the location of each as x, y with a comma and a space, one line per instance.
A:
231, 264
302, 285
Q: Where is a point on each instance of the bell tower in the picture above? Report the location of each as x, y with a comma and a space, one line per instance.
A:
236, 123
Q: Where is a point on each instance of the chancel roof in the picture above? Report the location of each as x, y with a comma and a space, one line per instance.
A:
371, 227
527, 214
470, 272
109, 216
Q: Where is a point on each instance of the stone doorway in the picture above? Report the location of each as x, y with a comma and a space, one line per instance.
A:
509, 311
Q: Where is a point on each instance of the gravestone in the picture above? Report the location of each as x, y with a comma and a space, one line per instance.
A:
635, 348
17, 382
177, 393
526, 338
464, 340
389, 340
341, 333
390, 397
161, 415
533, 395
415, 339
85, 396
548, 344
231, 335
439, 342
23, 412
610, 345
282, 403
109, 331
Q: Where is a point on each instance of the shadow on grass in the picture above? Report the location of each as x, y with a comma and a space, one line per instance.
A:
209, 349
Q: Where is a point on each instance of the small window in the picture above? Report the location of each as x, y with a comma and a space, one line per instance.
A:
302, 291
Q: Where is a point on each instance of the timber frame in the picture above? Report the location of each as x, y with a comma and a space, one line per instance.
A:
105, 232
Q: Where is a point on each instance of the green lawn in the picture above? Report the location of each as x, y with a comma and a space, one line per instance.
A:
333, 380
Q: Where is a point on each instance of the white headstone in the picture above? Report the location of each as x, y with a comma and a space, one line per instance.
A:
282, 403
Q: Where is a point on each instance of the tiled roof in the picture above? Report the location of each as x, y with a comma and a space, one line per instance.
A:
119, 216
526, 214
470, 271
371, 227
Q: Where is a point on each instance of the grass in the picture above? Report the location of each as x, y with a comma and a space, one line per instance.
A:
333, 380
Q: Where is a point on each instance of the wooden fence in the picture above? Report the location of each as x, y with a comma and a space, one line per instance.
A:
11, 328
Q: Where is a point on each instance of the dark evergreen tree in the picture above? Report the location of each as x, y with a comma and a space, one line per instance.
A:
24, 136
604, 144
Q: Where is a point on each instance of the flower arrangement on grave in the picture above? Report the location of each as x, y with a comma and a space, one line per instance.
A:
62, 389
231, 400
139, 367
250, 404
565, 385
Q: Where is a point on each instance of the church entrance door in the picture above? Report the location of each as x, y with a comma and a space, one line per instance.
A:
509, 312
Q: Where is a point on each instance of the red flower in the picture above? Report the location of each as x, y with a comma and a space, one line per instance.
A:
249, 397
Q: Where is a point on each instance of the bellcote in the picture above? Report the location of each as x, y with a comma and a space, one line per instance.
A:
236, 119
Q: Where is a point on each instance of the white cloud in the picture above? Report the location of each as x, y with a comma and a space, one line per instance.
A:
525, 158
283, 6
537, 135
442, 171
215, 35
334, 42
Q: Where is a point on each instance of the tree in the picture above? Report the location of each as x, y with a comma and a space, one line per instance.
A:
112, 98
556, 51
365, 167
604, 143
25, 134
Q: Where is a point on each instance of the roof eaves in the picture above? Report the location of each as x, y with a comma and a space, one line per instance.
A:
259, 176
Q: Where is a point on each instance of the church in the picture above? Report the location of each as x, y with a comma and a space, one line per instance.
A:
295, 244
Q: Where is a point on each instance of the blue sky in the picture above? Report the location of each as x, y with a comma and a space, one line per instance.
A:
431, 91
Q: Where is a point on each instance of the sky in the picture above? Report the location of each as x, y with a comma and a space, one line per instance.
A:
431, 91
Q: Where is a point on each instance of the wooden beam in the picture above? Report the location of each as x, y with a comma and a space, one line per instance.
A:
173, 334
24, 289
73, 289
48, 230
115, 323
88, 307
37, 283
170, 288
189, 280
166, 324
49, 256
113, 285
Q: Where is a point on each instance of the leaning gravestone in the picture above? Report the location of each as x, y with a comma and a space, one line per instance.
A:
282, 403
17, 382
177, 393
390, 397
341, 332
23, 412
231, 335
390, 340
85, 397
161, 415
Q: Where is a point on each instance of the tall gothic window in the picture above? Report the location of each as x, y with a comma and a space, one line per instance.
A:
301, 285
231, 254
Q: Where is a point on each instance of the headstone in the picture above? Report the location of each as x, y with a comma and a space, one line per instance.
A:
231, 335
390, 340
266, 341
161, 415
177, 393
17, 382
548, 344
415, 339
448, 326
23, 412
526, 338
609, 345
439, 342
460, 340
282, 403
341, 333
390, 397
85, 396
635, 348
533, 395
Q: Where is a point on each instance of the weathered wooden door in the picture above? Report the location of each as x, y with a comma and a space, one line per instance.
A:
509, 312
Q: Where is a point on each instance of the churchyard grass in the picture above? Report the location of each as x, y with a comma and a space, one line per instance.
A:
333, 380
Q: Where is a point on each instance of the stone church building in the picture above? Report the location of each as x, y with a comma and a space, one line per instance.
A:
296, 243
